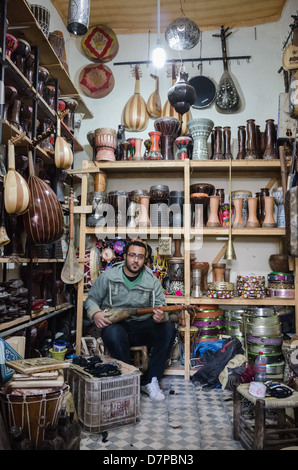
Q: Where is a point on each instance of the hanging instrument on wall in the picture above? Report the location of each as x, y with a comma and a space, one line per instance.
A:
135, 116
63, 152
290, 55
16, 190
43, 222
154, 102
169, 111
227, 99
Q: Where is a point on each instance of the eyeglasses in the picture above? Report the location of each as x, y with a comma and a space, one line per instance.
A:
134, 255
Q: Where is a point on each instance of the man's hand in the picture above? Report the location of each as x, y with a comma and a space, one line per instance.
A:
100, 319
158, 315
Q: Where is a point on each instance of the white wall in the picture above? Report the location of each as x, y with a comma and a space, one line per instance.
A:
258, 82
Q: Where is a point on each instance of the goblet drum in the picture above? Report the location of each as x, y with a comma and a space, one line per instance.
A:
105, 140
170, 128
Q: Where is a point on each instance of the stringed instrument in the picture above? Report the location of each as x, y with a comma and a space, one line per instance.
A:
154, 102
43, 222
169, 111
227, 99
135, 116
63, 153
16, 190
290, 55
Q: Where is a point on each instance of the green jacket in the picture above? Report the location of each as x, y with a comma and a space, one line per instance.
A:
109, 290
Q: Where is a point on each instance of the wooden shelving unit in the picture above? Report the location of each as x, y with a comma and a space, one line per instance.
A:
23, 20
185, 169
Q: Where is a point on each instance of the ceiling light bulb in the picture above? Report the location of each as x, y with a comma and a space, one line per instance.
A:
158, 55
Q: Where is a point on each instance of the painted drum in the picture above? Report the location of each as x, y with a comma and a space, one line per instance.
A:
100, 44
96, 80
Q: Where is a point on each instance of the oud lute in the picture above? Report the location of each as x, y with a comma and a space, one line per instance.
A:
135, 116
154, 102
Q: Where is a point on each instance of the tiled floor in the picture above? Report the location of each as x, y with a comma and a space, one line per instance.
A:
191, 418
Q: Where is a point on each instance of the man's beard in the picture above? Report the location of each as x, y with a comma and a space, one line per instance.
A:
136, 269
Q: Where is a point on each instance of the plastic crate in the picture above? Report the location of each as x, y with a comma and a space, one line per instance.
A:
105, 403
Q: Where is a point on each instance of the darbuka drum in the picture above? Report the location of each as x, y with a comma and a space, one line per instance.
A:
192, 332
105, 143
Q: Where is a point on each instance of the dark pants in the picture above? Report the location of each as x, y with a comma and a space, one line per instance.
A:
159, 337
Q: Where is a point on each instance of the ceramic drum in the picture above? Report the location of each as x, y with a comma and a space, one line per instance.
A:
200, 130
105, 144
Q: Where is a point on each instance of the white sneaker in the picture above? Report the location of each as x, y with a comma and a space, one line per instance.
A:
152, 389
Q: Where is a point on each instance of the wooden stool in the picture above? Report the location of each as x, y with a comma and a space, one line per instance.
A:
263, 423
140, 357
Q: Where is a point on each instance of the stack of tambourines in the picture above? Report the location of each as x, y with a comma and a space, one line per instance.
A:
209, 322
220, 290
233, 321
281, 285
251, 287
263, 332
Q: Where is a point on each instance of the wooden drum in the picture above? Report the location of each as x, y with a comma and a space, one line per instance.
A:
105, 140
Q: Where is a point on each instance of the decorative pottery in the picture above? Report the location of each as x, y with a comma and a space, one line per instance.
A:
227, 142
105, 144
154, 152
218, 272
43, 75
270, 152
251, 148
72, 105
45, 144
26, 118
120, 138
182, 34
217, 151
20, 54
100, 44
196, 283
11, 43
205, 188
43, 16
49, 94
98, 201
138, 148
252, 220
170, 129
96, 80
182, 95
244, 195
154, 102
261, 204
269, 220
221, 193
279, 263
204, 267
135, 116
147, 145
119, 201
29, 67
279, 201
183, 144
142, 198
57, 42
175, 270
199, 209
10, 94
13, 113
238, 220
224, 214
241, 142
200, 130
176, 208
159, 201
124, 150
213, 220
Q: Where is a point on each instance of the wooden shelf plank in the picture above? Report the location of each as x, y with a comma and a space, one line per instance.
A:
241, 301
22, 16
